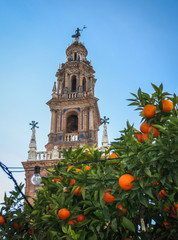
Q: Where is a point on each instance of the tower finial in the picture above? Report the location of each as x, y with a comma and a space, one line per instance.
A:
34, 125
78, 32
105, 120
105, 142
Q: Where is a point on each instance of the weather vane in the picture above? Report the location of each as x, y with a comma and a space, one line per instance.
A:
78, 31
105, 120
34, 125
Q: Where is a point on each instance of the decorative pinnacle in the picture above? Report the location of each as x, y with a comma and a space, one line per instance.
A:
105, 120
78, 31
34, 125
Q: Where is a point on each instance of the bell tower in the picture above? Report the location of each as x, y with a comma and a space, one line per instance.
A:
75, 117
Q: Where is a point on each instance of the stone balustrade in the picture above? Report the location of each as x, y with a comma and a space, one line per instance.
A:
71, 137
42, 156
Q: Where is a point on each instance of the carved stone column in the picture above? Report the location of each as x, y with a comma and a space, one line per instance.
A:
53, 119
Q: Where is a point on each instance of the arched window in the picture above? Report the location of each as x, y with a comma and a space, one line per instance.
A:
73, 84
75, 56
72, 124
84, 84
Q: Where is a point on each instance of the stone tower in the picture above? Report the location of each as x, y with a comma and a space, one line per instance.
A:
75, 117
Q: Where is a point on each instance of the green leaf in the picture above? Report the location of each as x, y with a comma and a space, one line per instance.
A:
99, 213
89, 209
148, 172
149, 192
126, 223
64, 229
114, 225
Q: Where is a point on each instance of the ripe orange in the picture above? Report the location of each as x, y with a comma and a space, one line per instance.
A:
30, 231
162, 193
72, 182
145, 137
166, 209
123, 211
88, 157
125, 181
65, 190
166, 224
139, 137
174, 211
15, 225
155, 183
149, 111
80, 218
167, 105
113, 156
78, 192
70, 222
63, 213
50, 206
109, 198
77, 169
87, 168
68, 167
1, 220
108, 189
156, 133
58, 179
144, 127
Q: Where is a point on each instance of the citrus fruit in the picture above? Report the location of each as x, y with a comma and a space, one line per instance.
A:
167, 105
80, 218
113, 155
166, 224
87, 168
144, 127
125, 181
65, 190
70, 222
156, 133
15, 225
149, 111
50, 206
63, 213
30, 231
77, 170
166, 209
123, 211
139, 137
58, 179
108, 189
109, 198
155, 183
162, 193
1, 220
78, 191
174, 211
145, 137
72, 182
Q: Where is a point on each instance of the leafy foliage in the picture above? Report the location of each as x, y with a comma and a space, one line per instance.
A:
153, 165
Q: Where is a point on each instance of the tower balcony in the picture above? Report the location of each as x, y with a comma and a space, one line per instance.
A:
71, 137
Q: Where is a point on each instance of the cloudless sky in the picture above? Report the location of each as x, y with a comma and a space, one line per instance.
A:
130, 43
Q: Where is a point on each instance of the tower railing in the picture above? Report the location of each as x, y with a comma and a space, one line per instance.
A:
71, 137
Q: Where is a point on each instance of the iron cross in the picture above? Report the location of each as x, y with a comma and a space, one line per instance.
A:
105, 120
34, 125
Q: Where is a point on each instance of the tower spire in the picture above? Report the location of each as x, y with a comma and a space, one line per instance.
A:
32, 145
105, 142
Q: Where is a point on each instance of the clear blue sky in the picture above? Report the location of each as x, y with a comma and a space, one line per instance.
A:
130, 43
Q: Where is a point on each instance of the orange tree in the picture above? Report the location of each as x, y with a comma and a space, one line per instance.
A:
133, 196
